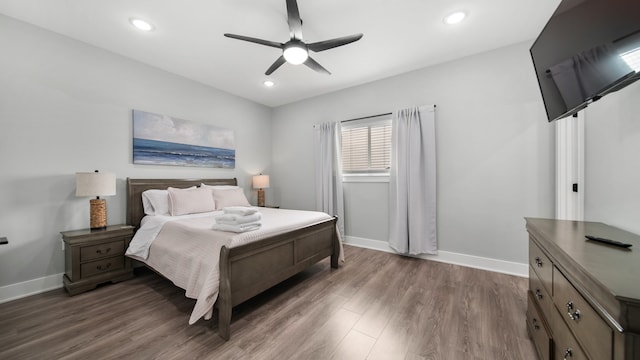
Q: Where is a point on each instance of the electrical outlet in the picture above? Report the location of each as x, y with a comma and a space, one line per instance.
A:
3, 240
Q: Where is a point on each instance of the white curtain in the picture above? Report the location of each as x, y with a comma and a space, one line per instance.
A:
412, 182
329, 196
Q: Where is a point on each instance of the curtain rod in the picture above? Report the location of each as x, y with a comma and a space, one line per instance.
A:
365, 117
368, 117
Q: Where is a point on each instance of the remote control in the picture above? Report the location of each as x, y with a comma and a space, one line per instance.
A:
608, 241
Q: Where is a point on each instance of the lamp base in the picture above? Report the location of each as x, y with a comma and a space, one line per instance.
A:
98, 214
261, 197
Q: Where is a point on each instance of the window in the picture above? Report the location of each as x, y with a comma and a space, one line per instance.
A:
366, 146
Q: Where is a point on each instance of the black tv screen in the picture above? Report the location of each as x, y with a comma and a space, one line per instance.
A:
587, 49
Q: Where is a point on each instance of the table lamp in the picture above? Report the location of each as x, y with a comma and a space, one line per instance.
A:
96, 184
260, 182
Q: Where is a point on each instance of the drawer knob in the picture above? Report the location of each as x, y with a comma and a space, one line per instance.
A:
539, 295
106, 251
568, 353
538, 261
573, 315
535, 324
99, 267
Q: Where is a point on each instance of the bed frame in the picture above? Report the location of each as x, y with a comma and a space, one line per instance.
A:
250, 269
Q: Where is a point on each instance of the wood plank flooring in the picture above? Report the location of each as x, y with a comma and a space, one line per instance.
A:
377, 306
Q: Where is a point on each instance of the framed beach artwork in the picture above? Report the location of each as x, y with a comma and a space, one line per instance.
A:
164, 140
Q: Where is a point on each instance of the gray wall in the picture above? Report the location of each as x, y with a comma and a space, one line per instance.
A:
495, 151
612, 168
66, 107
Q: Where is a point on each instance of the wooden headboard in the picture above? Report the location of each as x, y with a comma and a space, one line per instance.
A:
135, 187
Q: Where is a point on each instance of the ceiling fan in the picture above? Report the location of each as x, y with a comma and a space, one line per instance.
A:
296, 51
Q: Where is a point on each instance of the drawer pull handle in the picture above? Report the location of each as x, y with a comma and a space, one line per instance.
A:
538, 261
106, 251
99, 267
535, 324
568, 353
539, 295
573, 315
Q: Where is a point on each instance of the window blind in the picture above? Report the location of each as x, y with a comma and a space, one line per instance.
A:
366, 147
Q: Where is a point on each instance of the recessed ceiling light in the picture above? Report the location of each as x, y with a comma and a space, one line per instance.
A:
141, 24
455, 17
268, 83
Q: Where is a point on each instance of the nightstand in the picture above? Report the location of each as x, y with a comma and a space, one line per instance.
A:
93, 257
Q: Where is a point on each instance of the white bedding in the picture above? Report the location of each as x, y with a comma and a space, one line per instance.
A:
186, 250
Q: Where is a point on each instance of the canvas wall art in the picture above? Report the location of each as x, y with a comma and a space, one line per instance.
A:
164, 140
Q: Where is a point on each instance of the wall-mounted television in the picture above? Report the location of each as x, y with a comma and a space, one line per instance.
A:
587, 49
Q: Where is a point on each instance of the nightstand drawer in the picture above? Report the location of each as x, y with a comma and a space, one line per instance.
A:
88, 253
590, 330
101, 266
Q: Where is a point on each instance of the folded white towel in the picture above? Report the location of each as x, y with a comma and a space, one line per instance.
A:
237, 228
237, 219
240, 210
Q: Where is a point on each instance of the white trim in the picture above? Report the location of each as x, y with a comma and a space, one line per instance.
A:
570, 167
477, 262
30, 287
365, 178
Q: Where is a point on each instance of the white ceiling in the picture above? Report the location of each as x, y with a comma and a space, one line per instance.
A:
399, 36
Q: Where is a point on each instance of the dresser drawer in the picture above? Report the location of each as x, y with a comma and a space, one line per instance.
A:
541, 265
88, 253
539, 293
538, 330
589, 328
101, 266
566, 346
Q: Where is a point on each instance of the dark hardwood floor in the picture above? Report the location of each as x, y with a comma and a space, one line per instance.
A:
378, 306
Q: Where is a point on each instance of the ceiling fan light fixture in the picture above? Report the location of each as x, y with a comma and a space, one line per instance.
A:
269, 83
295, 54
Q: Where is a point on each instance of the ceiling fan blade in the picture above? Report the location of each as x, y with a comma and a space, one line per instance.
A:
257, 41
293, 18
315, 66
276, 64
329, 44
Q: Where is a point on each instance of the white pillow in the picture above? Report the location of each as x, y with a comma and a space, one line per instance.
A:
229, 197
190, 201
156, 201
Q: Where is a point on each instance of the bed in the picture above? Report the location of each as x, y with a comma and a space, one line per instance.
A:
249, 269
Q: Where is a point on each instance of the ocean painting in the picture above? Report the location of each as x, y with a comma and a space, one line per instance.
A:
164, 140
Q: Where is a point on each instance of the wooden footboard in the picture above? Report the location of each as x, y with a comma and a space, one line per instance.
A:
248, 270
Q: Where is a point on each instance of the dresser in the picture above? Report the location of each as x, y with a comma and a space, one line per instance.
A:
93, 257
584, 297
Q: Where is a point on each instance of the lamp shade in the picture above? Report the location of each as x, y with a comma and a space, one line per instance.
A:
260, 181
95, 184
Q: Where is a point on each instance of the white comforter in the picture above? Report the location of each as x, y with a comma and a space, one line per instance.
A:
186, 250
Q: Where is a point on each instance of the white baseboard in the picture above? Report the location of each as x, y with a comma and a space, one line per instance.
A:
30, 287
501, 266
